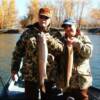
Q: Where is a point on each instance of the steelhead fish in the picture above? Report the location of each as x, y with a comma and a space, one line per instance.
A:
70, 64
42, 59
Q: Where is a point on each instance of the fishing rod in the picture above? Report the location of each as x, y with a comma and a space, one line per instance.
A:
2, 81
80, 17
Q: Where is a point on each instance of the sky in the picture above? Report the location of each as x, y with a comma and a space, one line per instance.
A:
21, 5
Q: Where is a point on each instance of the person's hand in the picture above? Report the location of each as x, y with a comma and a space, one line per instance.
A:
73, 41
42, 37
47, 36
76, 44
69, 41
13, 73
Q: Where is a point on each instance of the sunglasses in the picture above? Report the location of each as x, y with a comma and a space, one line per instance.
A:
43, 17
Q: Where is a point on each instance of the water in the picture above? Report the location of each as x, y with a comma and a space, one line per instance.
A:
95, 60
7, 44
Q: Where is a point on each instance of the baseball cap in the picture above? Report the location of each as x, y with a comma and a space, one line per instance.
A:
45, 12
69, 21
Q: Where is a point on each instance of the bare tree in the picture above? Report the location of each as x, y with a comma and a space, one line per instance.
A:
32, 15
58, 10
1, 17
12, 14
7, 14
95, 15
68, 5
33, 11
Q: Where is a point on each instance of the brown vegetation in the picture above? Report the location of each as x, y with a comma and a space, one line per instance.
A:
61, 9
32, 14
95, 14
7, 14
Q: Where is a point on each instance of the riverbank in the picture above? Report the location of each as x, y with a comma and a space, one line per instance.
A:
94, 31
10, 31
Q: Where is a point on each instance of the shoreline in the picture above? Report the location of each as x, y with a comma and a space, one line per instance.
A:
94, 31
10, 31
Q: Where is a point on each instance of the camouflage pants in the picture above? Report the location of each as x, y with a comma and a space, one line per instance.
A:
31, 90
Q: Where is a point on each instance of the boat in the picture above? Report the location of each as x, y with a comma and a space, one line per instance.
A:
94, 93
14, 90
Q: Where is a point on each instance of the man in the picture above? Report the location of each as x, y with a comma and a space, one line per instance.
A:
27, 48
77, 52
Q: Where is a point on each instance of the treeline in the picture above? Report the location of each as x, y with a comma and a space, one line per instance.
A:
61, 9
8, 14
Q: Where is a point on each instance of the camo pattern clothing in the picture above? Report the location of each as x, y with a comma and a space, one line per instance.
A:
81, 73
26, 48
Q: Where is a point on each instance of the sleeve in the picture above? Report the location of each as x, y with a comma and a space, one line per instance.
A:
84, 46
54, 44
18, 54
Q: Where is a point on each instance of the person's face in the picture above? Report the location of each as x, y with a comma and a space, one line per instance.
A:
44, 21
70, 30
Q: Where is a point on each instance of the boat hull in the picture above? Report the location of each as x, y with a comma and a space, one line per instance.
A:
12, 91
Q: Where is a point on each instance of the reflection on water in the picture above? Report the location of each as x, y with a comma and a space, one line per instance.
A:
7, 44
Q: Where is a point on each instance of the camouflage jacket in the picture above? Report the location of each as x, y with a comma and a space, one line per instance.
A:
26, 48
81, 74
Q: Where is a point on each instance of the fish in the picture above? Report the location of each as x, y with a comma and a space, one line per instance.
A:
42, 59
70, 64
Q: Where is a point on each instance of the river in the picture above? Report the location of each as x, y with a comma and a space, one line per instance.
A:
7, 44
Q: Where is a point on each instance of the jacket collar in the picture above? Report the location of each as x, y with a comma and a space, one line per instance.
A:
41, 29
